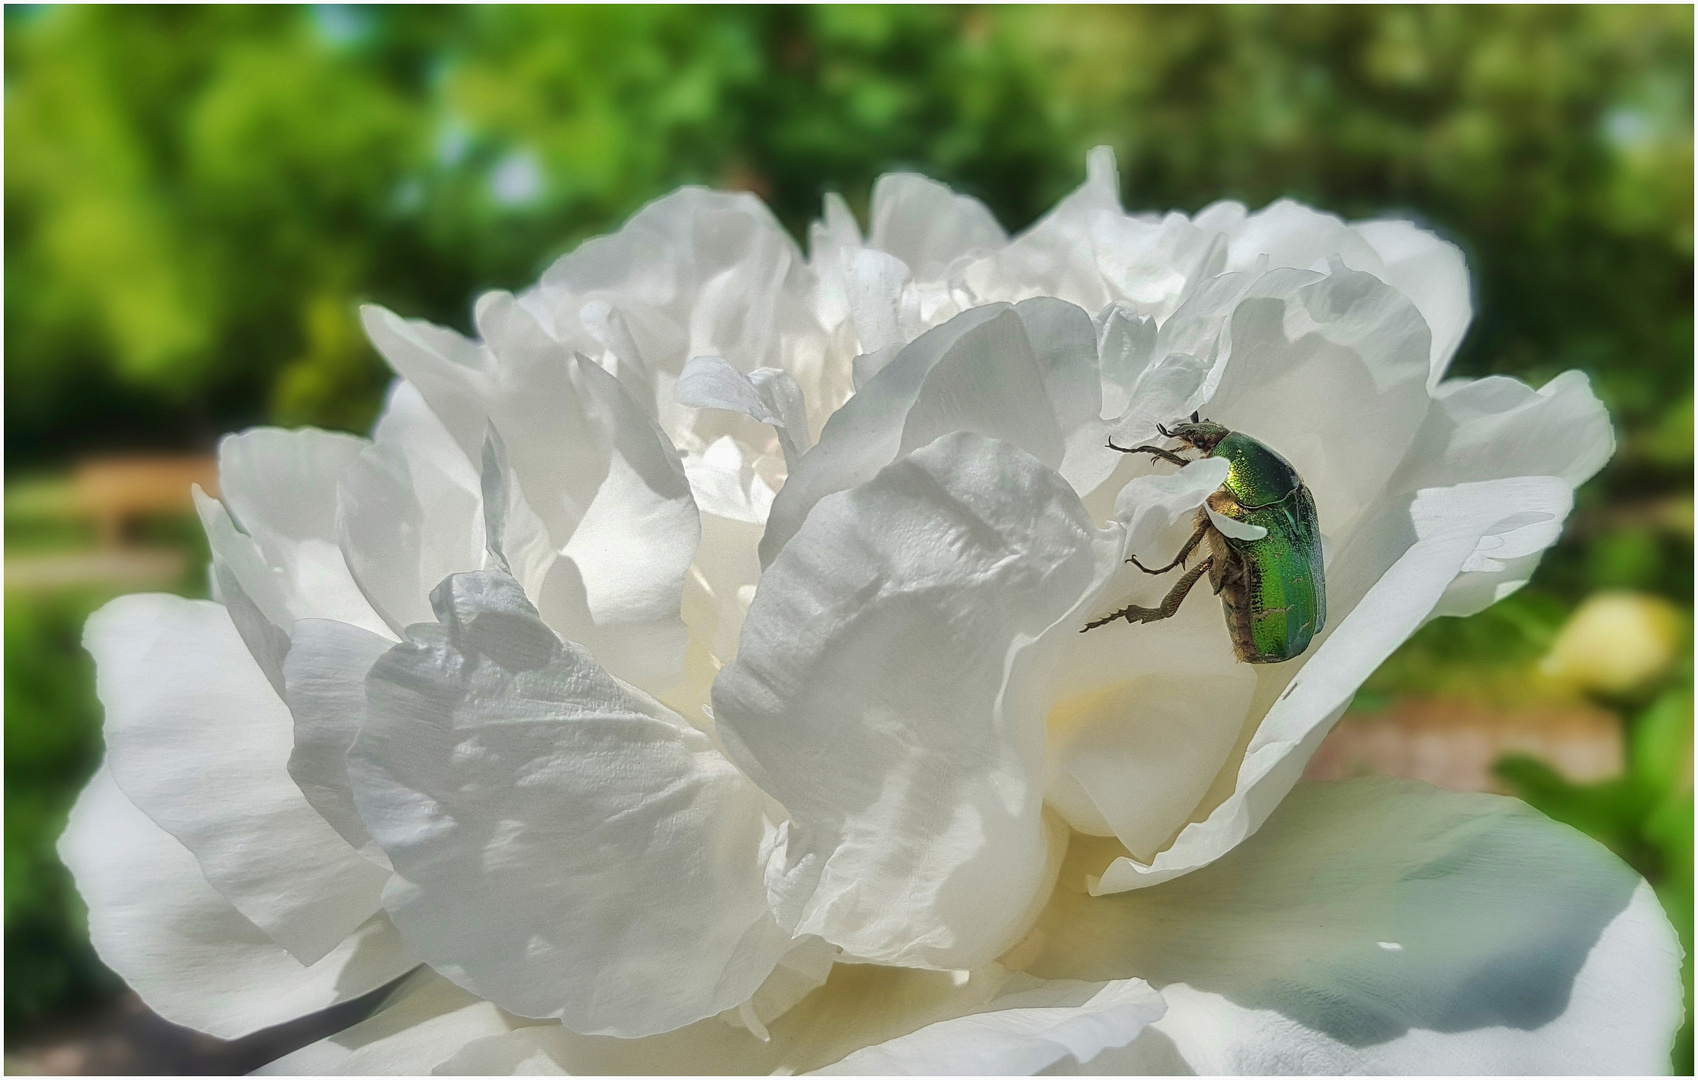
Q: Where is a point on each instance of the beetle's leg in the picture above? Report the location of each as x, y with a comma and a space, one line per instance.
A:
1165, 455
1169, 605
1184, 552
1230, 572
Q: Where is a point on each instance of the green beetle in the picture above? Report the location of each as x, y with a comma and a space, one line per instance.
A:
1268, 574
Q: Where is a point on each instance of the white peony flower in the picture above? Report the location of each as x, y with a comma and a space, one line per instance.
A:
687, 676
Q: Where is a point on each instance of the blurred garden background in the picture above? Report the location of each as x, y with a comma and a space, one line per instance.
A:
198, 197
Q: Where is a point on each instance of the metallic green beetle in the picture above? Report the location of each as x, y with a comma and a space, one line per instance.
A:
1269, 576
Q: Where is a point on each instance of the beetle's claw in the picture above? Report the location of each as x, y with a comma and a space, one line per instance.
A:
1134, 561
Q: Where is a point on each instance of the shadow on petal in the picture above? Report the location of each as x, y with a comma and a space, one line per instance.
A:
1362, 910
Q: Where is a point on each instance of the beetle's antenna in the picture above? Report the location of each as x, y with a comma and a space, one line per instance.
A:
1165, 433
1194, 416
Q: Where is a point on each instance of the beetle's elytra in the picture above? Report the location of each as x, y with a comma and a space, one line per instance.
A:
1272, 585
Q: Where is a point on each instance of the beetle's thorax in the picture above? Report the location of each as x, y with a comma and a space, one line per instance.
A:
1259, 476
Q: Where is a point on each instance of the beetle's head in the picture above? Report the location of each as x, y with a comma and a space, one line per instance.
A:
1204, 435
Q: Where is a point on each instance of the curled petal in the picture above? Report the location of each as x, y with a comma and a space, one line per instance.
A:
767, 395
408, 511
1432, 273
692, 273
191, 956
865, 434
928, 226
639, 533
1499, 427
280, 487
1450, 525
326, 693
1025, 374
1142, 717
200, 742
992, 383
1332, 372
885, 692
1381, 926
249, 589
565, 846
1490, 428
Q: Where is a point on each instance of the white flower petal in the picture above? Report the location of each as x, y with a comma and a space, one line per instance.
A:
725, 484
526, 1051
693, 273
428, 1022
1449, 524
251, 591
1045, 259
618, 497
990, 383
865, 434
928, 226
326, 693
191, 956
1432, 273
404, 517
440, 364
540, 397
1025, 374
859, 1006
1063, 340
1126, 341
885, 693
1168, 388
878, 289
799, 973
836, 228
564, 846
1495, 427
199, 740
637, 537
1491, 429
767, 395
409, 423
524, 382
1151, 505
1201, 325
622, 355
1237, 530
1290, 234
1363, 343
284, 482
1381, 926
515, 540
1134, 759
635, 542
408, 510
281, 488
1020, 1034
1142, 716
1429, 271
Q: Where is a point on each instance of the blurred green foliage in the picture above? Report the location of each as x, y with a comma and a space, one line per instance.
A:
52, 744
198, 197
1645, 816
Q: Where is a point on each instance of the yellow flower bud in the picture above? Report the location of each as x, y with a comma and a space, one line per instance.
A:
1615, 642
